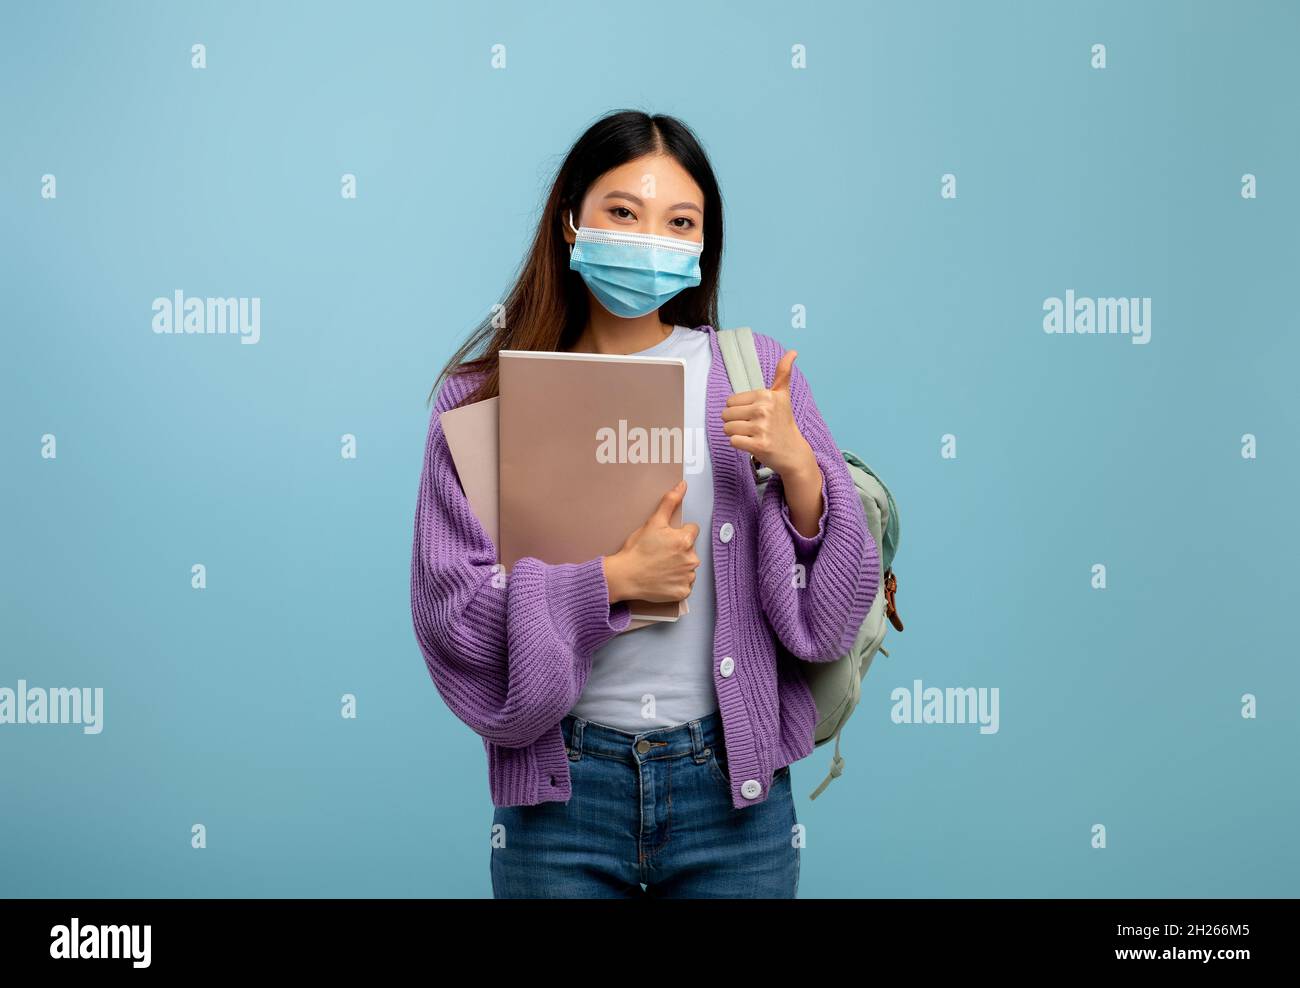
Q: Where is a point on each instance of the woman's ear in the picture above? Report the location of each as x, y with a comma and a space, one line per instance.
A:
567, 226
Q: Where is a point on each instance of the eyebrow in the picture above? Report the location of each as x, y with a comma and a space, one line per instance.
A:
618, 194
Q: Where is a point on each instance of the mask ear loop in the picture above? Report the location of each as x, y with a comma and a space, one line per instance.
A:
571, 227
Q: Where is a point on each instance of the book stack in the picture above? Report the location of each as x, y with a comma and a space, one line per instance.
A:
573, 456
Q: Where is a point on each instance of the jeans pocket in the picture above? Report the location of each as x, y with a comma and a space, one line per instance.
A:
717, 760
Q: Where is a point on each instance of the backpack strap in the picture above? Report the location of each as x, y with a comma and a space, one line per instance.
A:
741, 358
837, 767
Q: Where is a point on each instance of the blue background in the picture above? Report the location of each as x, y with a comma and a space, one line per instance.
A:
1119, 707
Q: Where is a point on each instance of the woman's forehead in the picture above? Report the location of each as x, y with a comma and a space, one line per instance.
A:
662, 173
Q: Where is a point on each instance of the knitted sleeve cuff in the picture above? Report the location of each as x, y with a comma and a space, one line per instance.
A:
805, 546
579, 607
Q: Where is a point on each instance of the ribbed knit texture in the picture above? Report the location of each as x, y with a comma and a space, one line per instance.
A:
511, 657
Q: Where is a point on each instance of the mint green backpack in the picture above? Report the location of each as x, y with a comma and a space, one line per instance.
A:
836, 686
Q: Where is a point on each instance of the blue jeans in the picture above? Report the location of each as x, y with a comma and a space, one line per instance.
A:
653, 809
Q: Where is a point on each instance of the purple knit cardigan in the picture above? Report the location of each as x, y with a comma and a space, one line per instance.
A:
511, 661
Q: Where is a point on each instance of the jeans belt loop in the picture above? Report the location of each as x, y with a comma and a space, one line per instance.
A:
575, 740
697, 743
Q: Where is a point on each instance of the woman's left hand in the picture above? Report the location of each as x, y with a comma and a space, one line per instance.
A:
761, 422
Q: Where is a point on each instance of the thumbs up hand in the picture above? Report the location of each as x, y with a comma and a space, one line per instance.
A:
761, 422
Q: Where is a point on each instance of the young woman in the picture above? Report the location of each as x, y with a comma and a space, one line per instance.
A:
658, 757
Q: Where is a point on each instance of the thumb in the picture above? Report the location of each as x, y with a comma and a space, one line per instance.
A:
781, 380
663, 512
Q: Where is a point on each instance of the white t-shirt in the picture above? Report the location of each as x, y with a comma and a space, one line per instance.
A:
662, 675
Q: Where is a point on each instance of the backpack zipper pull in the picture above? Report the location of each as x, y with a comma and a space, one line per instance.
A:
891, 610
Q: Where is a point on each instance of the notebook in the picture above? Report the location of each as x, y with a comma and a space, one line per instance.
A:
471, 432
588, 445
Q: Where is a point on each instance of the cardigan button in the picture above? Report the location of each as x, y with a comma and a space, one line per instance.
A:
727, 666
726, 531
750, 788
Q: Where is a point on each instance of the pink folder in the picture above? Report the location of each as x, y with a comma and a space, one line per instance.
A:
471, 432
589, 445
472, 437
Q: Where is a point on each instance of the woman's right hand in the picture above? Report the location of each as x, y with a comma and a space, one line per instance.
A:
657, 562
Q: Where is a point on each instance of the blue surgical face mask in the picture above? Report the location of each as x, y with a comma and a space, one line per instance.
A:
633, 274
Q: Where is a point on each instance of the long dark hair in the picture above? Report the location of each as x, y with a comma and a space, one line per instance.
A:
546, 308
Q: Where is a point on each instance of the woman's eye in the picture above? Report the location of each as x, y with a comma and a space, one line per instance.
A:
685, 224
623, 213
